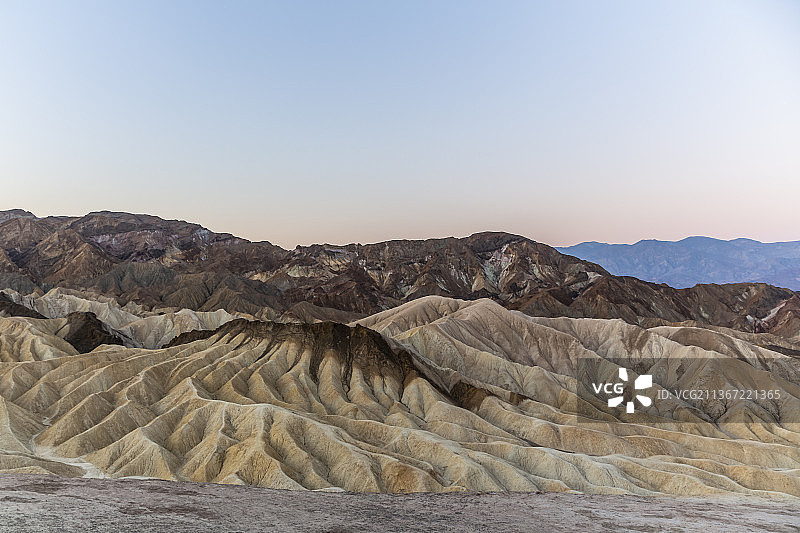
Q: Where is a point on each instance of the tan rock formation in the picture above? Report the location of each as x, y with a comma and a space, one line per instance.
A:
455, 395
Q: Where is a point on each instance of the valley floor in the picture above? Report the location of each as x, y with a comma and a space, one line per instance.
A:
31, 503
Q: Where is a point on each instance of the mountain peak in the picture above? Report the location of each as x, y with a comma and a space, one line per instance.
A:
15, 213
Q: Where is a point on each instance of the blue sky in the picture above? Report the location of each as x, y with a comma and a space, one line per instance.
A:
301, 122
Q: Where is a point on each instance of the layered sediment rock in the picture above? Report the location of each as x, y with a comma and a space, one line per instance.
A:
436, 395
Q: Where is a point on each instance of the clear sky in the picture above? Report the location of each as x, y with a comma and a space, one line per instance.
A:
361, 121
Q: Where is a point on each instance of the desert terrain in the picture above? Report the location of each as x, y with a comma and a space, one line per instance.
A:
380, 387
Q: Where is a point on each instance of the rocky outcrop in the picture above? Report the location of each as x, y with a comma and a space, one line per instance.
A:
10, 308
85, 332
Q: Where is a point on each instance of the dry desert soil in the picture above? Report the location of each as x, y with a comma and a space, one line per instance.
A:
49, 503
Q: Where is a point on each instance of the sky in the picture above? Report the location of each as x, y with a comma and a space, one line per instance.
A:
359, 121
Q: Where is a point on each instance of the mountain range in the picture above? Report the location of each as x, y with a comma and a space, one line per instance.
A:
694, 260
132, 346
169, 265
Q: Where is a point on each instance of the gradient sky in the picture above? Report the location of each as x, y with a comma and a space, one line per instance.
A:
345, 121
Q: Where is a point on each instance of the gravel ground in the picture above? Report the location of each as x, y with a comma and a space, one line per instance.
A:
49, 503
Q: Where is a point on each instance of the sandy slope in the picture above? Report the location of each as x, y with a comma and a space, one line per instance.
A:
456, 396
39, 503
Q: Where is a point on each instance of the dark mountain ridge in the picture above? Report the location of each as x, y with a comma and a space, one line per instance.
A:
171, 263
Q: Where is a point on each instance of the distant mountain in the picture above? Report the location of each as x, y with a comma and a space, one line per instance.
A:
15, 213
696, 260
168, 265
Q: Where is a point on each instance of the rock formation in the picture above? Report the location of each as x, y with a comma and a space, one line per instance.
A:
132, 346
436, 395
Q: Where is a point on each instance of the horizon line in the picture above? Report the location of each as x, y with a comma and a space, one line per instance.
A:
433, 237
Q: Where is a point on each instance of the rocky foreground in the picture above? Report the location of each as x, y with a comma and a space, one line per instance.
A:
49, 503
